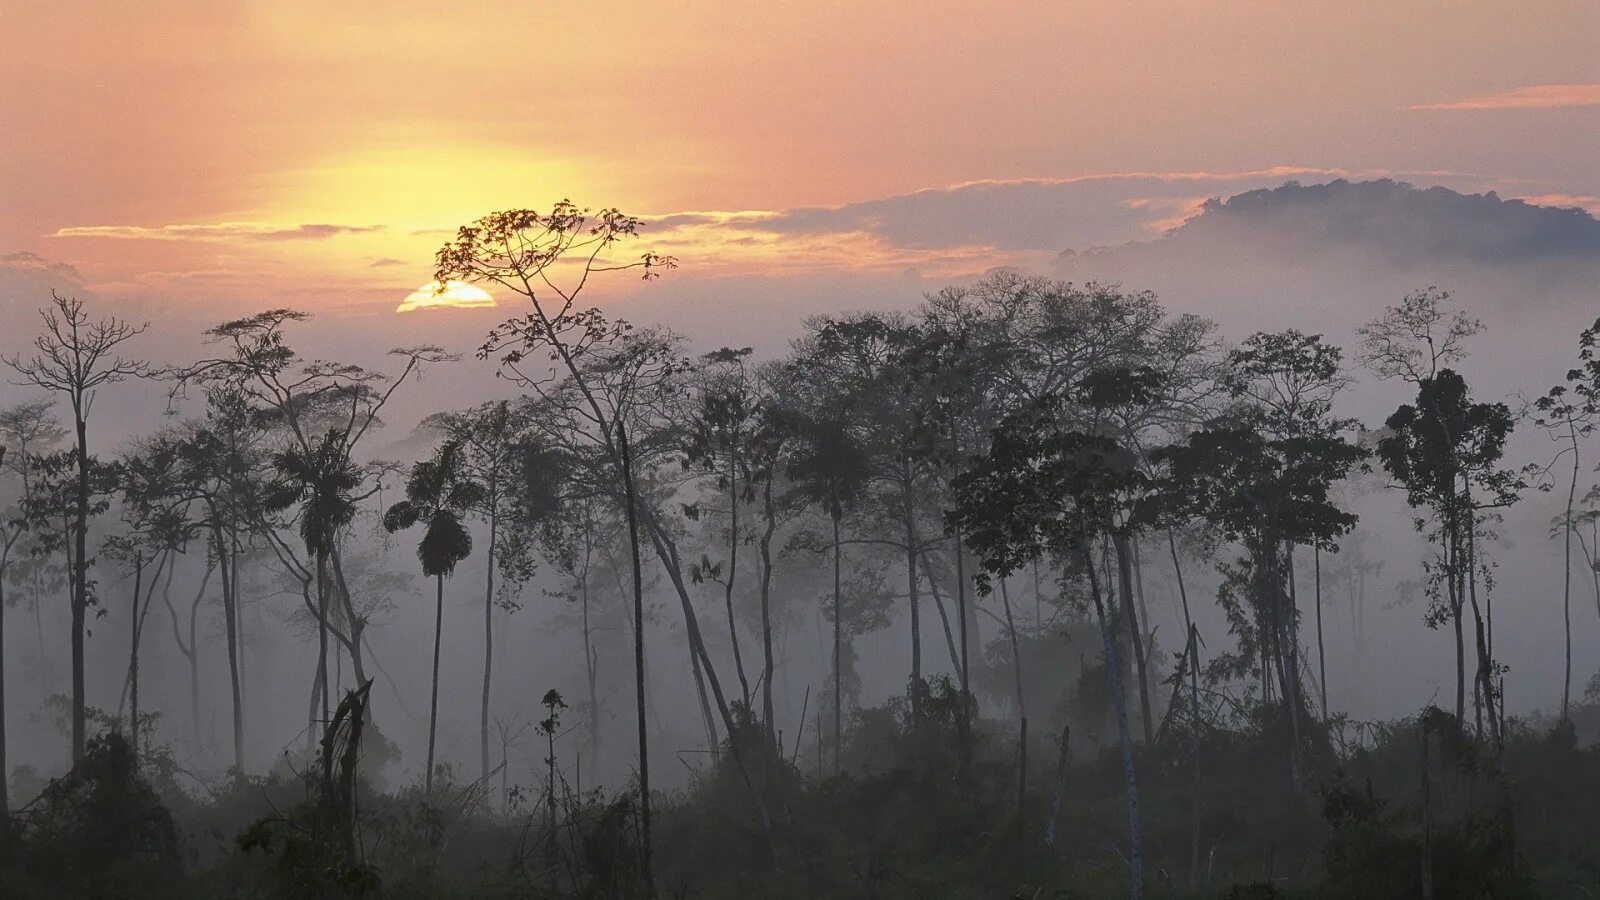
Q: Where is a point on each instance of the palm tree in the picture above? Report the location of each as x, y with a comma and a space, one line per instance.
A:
321, 480
439, 495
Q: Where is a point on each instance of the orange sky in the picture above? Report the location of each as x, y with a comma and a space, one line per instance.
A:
177, 150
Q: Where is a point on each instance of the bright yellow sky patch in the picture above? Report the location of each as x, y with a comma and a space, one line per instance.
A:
456, 294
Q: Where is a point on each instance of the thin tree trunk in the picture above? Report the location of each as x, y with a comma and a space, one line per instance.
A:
1125, 588
1322, 653
353, 643
916, 615
1016, 652
727, 587
1566, 583
133, 659
433, 702
707, 717
322, 632
488, 644
230, 620
645, 842
1194, 711
1120, 702
190, 652
80, 580
1138, 592
591, 664
767, 713
5, 769
944, 620
1022, 707
838, 650
668, 552
1293, 690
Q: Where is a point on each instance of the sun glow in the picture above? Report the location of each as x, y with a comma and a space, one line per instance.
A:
456, 294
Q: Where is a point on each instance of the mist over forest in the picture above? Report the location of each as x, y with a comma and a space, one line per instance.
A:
1255, 559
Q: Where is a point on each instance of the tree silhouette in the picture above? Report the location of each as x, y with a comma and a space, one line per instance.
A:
497, 452
1044, 490
438, 495
77, 356
1445, 449
319, 482
829, 469
1569, 413
519, 250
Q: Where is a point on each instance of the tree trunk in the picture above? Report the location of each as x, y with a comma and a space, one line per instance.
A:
80, 579
322, 632
767, 713
1022, 707
1125, 588
1566, 583
433, 702
5, 769
1194, 711
916, 615
631, 502
1120, 702
133, 660
1322, 653
1293, 691
668, 553
488, 647
713, 746
727, 587
591, 663
838, 649
966, 670
944, 620
190, 651
230, 620
353, 643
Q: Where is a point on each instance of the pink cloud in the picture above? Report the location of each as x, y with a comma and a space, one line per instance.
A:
1539, 96
1566, 201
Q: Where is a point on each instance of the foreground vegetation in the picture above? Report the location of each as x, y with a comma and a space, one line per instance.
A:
907, 819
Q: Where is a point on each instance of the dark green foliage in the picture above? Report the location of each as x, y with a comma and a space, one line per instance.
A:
98, 831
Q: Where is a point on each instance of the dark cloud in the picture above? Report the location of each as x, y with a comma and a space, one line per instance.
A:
387, 261
1025, 214
1396, 222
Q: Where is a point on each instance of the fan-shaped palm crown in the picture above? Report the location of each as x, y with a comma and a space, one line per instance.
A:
438, 494
321, 481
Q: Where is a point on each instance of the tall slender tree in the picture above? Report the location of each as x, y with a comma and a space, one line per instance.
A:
439, 496
600, 371
1569, 413
830, 470
76, 356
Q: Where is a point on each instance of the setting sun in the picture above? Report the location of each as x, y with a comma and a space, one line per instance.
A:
457, 294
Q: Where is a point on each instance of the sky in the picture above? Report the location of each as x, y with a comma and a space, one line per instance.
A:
260, 153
